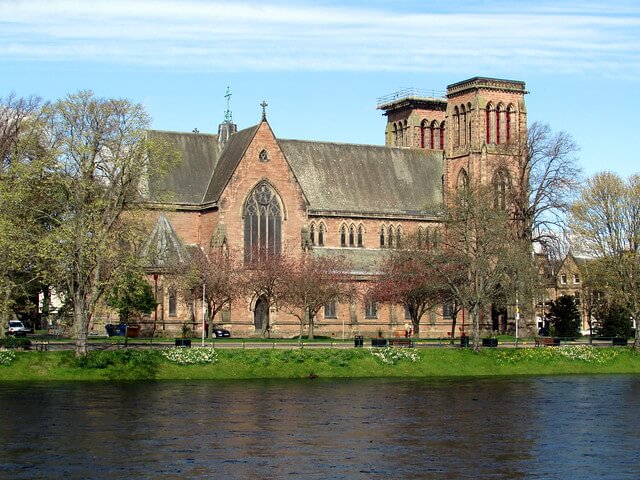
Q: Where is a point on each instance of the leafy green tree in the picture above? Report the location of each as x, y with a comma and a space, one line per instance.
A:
131, 295
103, 157
606, 223
613, 321
27, 183
564, 317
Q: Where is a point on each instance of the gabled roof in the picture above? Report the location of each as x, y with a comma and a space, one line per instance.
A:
228, 162
366, 179
186, 182
163, 249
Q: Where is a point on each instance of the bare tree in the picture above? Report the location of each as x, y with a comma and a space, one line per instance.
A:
219, 274
312, 282
545, 183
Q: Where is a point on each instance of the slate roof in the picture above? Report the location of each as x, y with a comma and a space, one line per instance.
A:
163, 249
362, 261
187, 181
231, 156
366, 179
335, 177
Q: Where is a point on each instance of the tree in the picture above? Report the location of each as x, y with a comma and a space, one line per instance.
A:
409, 277
131, 295
27, 181
102, 157
606, 223
544, 184
479, 257
312, 282
218, 273
564, 317
265, 277
613, 321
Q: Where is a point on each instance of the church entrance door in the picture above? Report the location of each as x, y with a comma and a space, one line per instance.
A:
261, 315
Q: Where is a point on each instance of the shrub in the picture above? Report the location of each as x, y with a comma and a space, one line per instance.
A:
121, 364
15, 342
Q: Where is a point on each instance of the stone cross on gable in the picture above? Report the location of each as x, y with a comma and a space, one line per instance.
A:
264, 106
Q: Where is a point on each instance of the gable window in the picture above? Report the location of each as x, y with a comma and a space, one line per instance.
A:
330, 309
576, 278
262, 224
370, 309
563, 279
263, 156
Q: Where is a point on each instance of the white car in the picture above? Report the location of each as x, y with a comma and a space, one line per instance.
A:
17, 328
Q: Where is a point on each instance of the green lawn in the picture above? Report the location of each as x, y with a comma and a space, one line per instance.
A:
130, 364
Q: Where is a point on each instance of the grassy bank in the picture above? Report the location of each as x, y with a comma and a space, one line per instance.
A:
324, 363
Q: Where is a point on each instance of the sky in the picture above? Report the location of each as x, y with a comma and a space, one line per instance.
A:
321, 66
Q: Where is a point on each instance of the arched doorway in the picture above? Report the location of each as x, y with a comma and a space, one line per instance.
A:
261, 315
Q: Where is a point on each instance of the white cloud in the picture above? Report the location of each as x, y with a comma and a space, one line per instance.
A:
238, 36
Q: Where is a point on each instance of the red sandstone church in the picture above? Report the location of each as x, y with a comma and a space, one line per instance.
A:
240, 188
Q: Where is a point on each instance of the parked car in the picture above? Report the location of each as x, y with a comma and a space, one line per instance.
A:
221, 332
17, 328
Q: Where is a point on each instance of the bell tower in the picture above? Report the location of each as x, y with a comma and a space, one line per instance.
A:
487, 121
415, 119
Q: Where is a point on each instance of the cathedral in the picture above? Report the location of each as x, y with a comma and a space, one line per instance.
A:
241, 188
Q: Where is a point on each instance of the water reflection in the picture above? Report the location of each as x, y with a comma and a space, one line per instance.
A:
542, 427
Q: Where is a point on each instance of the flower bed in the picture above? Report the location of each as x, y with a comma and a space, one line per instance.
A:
190, 356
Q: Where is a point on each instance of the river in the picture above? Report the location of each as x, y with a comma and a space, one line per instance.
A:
566, 427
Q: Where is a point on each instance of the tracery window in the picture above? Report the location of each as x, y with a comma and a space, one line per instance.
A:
262, 224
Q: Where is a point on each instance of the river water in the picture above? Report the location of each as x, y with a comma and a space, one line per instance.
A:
578, 427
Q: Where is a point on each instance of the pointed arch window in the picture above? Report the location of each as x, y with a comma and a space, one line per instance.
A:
463, 125
343, 236
360, 238
498, 121
312, 234
423, 127
508, 124
442, 136
456, 127
382, 237
390, 237
352, 235
489, 122
321, 235
463, 180
398, 237
262, 224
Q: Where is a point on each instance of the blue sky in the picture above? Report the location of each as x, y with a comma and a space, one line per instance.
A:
321, 65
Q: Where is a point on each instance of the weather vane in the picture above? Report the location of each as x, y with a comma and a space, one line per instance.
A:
227, 114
